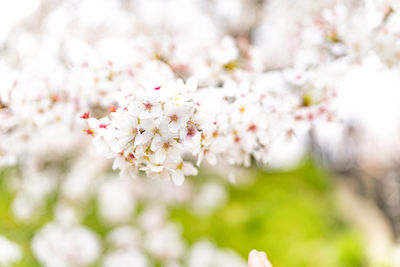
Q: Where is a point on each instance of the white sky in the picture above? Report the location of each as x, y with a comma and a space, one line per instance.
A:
11, 11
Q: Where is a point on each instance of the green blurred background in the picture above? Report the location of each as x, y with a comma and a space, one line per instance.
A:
291, 215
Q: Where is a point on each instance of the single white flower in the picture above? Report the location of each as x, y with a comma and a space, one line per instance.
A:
166, 149
178, 116
183, 169
148, 108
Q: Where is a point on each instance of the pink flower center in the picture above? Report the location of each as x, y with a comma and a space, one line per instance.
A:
148, 106
130, 158
89, 131
252, 127
191, 131
173, 118
166, 146
112, 109
85, 115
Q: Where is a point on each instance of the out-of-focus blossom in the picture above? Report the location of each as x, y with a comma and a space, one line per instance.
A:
258, 259
128, 258
9, 252
204, 254
116, 201
59, 246
211, 196
164, 242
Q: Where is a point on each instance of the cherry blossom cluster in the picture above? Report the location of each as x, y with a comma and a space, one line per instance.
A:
157, 126
162, 87
150, 132
128, 75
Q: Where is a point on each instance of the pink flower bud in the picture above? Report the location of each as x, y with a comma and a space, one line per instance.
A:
258, 259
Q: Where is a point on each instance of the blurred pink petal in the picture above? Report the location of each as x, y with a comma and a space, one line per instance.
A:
258, 259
